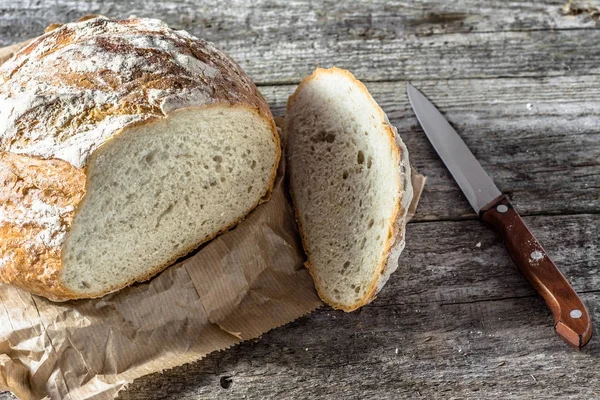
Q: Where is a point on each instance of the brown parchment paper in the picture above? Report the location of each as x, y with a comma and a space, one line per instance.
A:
237, 287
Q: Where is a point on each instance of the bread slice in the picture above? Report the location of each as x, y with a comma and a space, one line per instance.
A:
157, 192
350, 183
124, 145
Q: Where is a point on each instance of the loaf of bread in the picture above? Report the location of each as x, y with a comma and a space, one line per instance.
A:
350, 184
124, 145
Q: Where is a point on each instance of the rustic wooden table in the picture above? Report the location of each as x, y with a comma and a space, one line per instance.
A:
520, 81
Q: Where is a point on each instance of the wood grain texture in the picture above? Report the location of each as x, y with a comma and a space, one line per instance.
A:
281, 42
520, 81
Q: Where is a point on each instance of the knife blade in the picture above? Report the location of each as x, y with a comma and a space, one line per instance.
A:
571, 317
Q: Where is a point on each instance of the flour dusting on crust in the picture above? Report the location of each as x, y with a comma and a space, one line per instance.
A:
73, 88
49, 217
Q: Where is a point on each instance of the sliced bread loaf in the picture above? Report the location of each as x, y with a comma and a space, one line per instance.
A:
124, 145
350, 183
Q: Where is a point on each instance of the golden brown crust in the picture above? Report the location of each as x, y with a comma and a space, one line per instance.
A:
37, 200
399, 214
67, 93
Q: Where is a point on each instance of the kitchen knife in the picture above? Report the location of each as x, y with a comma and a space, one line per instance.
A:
571, 318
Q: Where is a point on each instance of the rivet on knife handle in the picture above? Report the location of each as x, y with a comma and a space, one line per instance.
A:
571, 318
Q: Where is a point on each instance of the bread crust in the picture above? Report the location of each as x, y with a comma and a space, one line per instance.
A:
61, 100
395, 241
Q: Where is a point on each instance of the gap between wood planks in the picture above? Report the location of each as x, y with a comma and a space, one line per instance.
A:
421, 79
473, 32
508, 298
454, 303
428, 79
473, 217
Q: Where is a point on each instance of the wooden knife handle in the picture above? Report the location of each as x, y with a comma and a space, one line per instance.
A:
571, 317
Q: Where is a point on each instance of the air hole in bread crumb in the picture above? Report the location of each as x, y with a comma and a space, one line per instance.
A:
357, 290
217, 159
345, 175
369, 163
213, 183
206, 167
86, 284
223, 179
362, 244
361, 157
346, 265
253, 165
218, 168
249, 189
371, 223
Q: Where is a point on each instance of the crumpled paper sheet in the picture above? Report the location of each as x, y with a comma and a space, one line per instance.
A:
237, 287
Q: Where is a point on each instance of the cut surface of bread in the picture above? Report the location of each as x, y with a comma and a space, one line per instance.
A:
350, 183
161, 189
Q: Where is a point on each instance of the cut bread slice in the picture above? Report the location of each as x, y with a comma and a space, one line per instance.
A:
350, 184
158, 191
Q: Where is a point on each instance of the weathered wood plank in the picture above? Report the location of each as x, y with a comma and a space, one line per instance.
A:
380, 40
503, 350
539, 139
235, 19
465, 324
